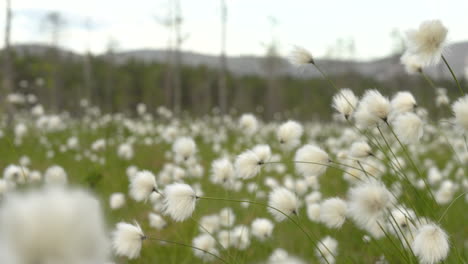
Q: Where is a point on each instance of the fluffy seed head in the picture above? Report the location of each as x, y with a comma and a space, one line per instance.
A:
300, 57
142, 185
248, 124
326, 250
345, 102
289, 134
426, 42
127, 240
408, 127
376, 104
207, 243
55, 175
431, 244
247, 165
179, 201
117, 200
403, 102
460, 110
283, 200
360, 150
333, 212
262, 228
184, 147
412, 63
222, 171
315, 156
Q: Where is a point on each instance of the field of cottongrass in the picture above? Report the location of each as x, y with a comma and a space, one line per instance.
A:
384, 182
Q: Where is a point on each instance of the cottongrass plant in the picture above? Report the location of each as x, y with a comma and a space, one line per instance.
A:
383, 184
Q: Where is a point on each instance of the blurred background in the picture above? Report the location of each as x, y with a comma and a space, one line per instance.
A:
226, 56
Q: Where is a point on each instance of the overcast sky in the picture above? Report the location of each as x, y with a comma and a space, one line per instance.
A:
313, 24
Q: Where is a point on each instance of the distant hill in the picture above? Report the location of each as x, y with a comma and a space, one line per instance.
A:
382, 69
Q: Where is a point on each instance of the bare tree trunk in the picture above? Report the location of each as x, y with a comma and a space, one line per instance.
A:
222, 84
7, 81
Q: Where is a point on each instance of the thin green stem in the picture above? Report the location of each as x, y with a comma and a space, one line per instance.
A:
453, 75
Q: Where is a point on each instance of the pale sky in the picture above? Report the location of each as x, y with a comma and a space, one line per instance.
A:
313, 24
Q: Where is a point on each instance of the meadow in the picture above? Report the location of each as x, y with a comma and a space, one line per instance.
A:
381, 182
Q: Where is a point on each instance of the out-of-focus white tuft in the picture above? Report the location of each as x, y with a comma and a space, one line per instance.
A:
262, 228
142, 185
333, 212
117, 200
460, 110
427, 42
283, 200
52, 225
289, 134
408, 127
311, 160
300, 57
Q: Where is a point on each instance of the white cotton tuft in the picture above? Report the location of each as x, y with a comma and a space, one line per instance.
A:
125, 151
55, 175
412, 63
262, 228
117, 200
247, 165
367, 205
289, 134
127, 240
333, 212
222, 171
460, 110
248, 124
430, 244
52, 225
184, 148
142, 185
345, 102
403, 102
283, 200
426, 43
327, 249
157, 221
377, 105
210, 223
360, 150
408, 127
179, 201
227, 217
206, 243
311, 160
313, 212
300, 57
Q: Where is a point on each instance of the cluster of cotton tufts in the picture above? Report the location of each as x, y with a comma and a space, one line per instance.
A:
127, 240
426, 42
55, 175
408, 127
207, 243
289, 134
460, 110
372, 109
327, 249
368, 203
184, 148
311, 160
345, 102
282, 203
179, 201
262, 228
52, 225
248, 124
333, 212
142, 185
430, 244
125, 151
